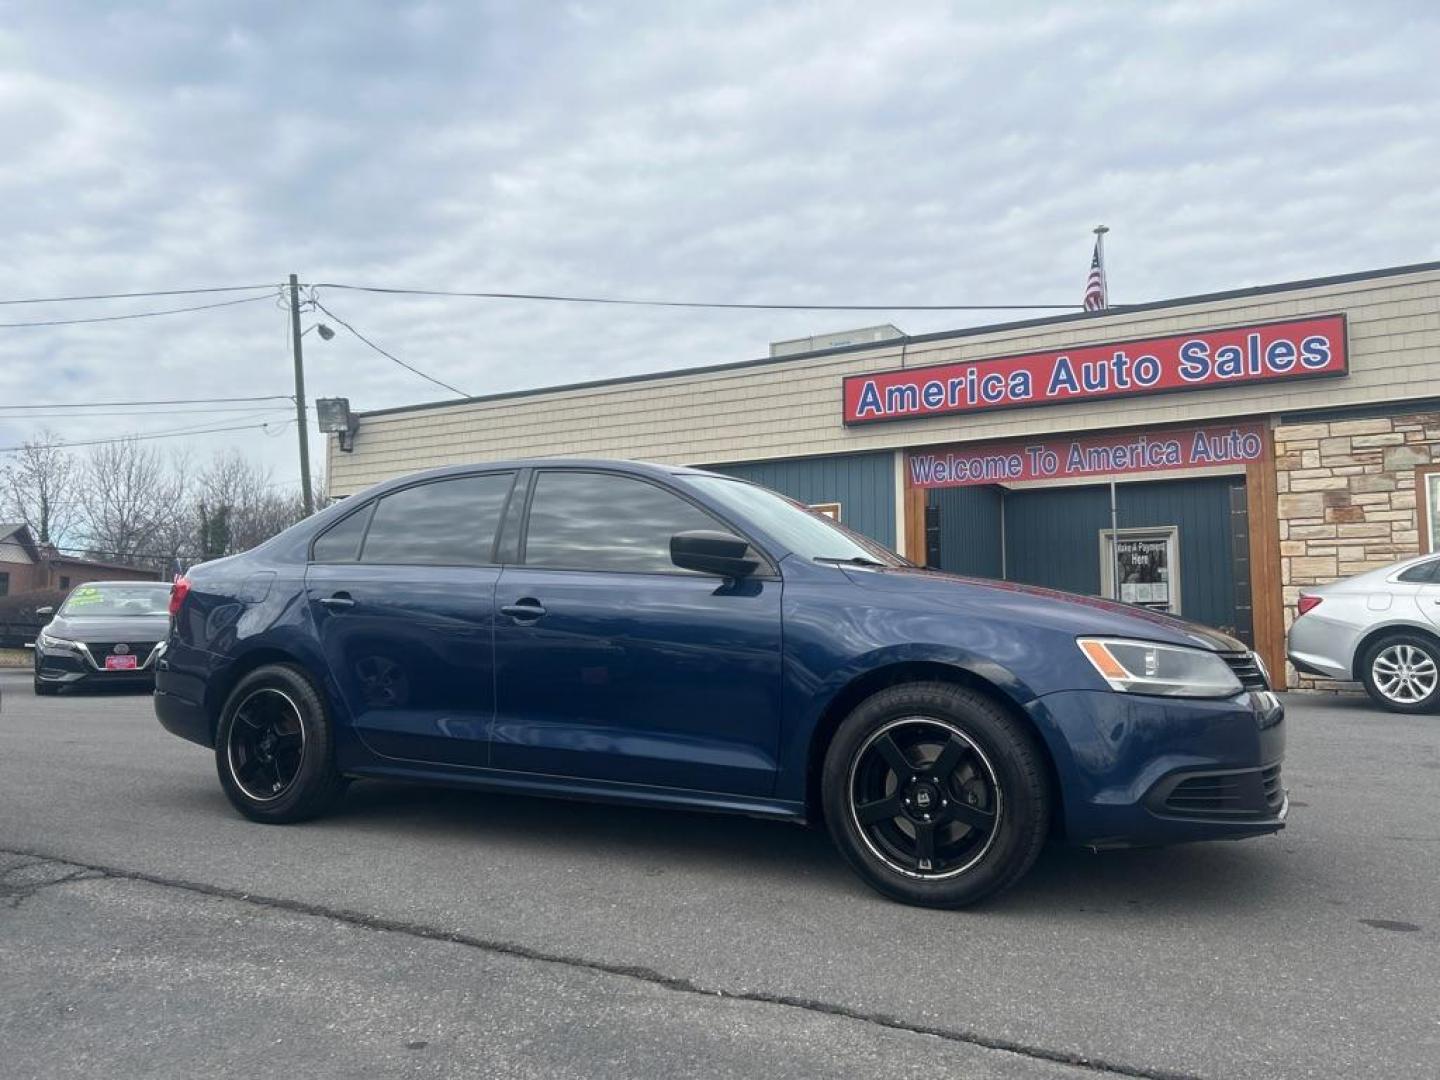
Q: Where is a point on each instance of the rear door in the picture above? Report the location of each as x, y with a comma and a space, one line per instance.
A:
614, 664
403, 595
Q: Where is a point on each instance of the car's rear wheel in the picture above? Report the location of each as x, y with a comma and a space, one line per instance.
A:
935, 794
1402, 673
274, 747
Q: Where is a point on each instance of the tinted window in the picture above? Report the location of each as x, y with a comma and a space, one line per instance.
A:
595, 521
806, 532
1424, 571
448, 522
341, 542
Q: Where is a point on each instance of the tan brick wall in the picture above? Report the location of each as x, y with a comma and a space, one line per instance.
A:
1347, 498
792, 408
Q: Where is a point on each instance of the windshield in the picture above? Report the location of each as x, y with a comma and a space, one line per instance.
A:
808, 534
141, 598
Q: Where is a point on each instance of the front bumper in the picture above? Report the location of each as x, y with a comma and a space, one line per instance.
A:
69, 667
1139, 771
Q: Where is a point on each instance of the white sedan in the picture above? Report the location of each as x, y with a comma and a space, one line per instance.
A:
1381, 628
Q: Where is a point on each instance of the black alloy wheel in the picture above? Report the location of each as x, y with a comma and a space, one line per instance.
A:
936, 794
924, 797
274, 747
266, 744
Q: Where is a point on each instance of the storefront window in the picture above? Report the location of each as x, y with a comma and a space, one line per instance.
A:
1427, 499
1146, 564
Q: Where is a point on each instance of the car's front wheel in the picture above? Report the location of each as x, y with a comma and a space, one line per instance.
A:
1402, 673
935, 794
45, 689
274, 747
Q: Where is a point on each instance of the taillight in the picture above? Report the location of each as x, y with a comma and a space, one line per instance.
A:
179, 589
1308, 603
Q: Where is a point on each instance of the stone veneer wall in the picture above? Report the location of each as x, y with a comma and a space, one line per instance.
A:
1346, 491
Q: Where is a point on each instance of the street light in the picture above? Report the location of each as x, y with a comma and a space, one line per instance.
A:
325, 332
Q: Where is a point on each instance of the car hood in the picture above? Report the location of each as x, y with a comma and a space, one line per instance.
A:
109, 628
1068, 612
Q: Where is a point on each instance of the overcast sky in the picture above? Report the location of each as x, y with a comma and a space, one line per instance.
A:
825, 153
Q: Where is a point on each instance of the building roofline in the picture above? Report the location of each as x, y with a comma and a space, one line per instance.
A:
910, 339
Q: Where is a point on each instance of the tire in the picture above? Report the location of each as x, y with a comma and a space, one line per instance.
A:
275, 747
989, 800
1401, 673
44, 689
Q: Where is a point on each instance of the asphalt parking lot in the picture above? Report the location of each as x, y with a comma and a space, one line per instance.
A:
146, 930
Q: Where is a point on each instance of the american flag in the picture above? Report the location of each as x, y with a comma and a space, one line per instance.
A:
1095, 283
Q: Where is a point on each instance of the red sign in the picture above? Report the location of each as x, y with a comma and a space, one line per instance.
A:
1100, 455
1299, 349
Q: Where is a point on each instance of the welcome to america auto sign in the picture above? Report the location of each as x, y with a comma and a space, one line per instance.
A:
1267, 352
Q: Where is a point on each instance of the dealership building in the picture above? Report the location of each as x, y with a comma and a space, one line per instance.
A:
1208, 456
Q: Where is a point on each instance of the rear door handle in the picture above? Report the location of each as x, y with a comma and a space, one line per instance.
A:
339, 602
524, 609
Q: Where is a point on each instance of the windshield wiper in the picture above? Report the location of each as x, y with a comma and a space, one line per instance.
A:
851, 560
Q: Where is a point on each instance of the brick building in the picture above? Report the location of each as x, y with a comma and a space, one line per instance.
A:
1206, 456
27, 566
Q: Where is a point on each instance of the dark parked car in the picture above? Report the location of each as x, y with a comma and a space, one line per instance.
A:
685, 640
106, 632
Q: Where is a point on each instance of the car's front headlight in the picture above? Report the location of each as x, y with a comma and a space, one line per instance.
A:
1144, 667
58, 644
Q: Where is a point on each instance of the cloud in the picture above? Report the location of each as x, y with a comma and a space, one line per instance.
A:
827, 152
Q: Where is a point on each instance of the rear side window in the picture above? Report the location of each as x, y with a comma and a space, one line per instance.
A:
1422, 572
341, 542
443, 523
600, 521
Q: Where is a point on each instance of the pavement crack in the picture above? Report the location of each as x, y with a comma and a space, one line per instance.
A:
20, 881
88, 871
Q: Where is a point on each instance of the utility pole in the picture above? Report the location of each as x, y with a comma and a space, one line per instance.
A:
300, 422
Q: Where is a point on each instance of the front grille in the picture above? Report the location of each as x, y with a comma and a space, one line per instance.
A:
138, 649
1247, 669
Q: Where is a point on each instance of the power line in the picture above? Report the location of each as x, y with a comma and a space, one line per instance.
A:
382, 352
159, 401
6, 415
136, 295
555, 298
134, 314
159, 435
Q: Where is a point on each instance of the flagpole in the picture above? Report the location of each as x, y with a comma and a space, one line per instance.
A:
1100, 231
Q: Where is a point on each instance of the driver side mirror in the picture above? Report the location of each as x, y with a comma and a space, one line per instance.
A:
712, 552
46, 610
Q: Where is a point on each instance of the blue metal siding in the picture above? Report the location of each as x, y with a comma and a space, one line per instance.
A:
970, 531
1053, 538
863, 485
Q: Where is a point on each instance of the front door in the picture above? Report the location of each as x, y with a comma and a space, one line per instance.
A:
614, 664
405, 612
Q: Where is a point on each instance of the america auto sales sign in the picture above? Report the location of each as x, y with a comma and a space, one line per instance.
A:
1261, 353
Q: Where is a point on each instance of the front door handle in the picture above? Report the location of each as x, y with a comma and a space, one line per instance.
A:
339, 602
525, 609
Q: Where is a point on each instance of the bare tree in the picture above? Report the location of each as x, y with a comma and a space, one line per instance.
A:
238, 506
127, 496
37, 487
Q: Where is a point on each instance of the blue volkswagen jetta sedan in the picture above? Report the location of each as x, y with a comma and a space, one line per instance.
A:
684, 640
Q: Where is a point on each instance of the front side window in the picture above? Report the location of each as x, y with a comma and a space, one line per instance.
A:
601, 521
808, 533
442, 523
